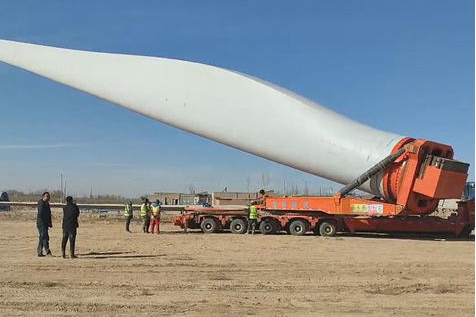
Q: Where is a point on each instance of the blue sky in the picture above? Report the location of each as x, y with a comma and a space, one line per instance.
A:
402, 66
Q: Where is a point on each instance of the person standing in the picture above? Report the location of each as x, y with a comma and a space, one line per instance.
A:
43, 222
262, 199
252, 218
128, 214
70, 225
145, 215
155, 218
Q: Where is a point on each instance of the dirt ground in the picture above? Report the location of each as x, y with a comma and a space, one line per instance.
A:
177, 274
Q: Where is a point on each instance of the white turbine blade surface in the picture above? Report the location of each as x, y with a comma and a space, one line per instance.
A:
231, 108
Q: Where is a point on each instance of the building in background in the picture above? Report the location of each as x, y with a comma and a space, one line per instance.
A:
166, 198
226, 198
223, 198
181, 198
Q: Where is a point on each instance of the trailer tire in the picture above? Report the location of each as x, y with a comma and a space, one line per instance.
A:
298, 227
327, 229
238, 226
465, 233
268, 226
209, 225
315, 230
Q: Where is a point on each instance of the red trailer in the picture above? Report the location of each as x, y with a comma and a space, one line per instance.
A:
211, 220
415, 177
297, 222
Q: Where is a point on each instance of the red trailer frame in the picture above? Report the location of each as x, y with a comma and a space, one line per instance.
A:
299, 222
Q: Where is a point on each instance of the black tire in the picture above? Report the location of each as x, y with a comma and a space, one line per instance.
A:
298, 227
315, 230
209, 225
238, 226
465, 233
327, 229
268, 226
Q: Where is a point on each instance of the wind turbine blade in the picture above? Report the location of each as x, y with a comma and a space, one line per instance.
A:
231, 108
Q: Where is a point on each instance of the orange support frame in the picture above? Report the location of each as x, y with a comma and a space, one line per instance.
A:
416, 185
412, 185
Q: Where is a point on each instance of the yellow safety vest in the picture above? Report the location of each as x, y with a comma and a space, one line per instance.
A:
127, 210
156, 211
253, 212
144, 210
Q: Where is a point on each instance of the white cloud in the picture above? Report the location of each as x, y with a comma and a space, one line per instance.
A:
37, 146
106, 164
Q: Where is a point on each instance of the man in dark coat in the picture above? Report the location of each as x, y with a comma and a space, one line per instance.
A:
70, 224
43, 222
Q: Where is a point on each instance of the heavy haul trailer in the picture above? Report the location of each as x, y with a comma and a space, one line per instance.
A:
298, 222
416, 176
211, 220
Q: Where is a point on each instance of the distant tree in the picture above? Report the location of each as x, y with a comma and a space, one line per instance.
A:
16, 195
296, 190
265, 180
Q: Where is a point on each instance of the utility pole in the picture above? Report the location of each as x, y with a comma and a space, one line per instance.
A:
61, 188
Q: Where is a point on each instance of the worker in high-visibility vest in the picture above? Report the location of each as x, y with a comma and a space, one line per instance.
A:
145, 215
128, 214
262, 199
155, 217
252, 218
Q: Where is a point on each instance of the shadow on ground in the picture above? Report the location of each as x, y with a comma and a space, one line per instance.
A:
408, 236
116, 255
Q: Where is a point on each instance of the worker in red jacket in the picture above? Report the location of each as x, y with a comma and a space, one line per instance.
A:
155, 217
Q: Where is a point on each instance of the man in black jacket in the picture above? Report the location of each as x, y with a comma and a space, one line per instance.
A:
70, 224
43, 222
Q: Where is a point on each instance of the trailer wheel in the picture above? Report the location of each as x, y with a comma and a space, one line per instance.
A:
465, 233
209, 225
315, 230
298, 227
268, 226
327, 229
238, 226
